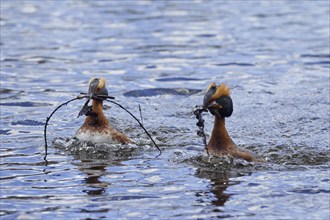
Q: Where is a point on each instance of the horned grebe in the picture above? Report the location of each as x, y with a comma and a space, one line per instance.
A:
218, 101
96, 127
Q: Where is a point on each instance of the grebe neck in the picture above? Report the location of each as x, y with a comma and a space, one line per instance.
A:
220, 138
96, 116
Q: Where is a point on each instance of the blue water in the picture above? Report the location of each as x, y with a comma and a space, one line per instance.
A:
161, 55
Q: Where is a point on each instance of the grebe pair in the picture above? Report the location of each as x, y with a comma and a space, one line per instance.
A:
97, 128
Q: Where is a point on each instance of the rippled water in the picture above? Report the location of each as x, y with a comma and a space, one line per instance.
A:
161, 55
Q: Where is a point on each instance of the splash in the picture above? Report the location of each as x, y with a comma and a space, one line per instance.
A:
82, 149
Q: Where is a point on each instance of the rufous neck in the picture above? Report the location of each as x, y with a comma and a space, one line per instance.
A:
97, 117
220, 137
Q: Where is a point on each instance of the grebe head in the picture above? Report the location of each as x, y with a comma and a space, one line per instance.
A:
97, 88
96, 91
217, 100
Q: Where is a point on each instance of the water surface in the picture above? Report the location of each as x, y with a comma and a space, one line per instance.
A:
161, 55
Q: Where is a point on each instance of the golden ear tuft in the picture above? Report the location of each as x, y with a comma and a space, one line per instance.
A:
222, 90
212, 85
102, 82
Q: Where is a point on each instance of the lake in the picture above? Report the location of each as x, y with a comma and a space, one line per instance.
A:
161, 56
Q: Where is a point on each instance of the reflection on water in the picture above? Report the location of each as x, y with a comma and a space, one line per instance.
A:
219, 182
94, 173
161, 55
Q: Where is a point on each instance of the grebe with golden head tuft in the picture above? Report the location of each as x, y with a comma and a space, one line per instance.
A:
97, 127
218, 101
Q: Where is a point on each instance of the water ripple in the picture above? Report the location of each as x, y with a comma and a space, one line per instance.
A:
161, 91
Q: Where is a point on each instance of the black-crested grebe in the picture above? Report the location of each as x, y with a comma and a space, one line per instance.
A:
97, 127
218, 101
